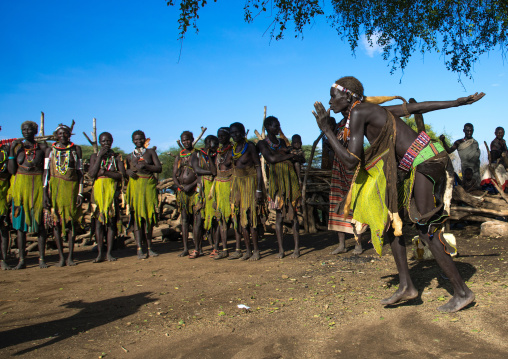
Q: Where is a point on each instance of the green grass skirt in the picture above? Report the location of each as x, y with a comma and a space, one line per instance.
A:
222, 200
26, 194
208, 211
243, 197
141, 196
104, 189
4, 189
63, 196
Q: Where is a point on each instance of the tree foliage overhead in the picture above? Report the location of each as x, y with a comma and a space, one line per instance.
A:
461, 30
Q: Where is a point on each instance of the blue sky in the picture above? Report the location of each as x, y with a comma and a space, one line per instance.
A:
118, 62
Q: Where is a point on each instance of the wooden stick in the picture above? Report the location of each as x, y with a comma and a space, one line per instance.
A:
94, 136
420, 125
472, 210
41, 131
263, 134
203, 130
179, 144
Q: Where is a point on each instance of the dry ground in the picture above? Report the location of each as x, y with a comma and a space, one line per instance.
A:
317, 306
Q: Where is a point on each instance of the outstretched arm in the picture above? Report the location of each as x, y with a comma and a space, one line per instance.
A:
273, 157
428, 106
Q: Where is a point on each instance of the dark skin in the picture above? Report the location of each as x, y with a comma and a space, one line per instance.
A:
208, 169
225, 163
275, 156
186, 180
468, 134
95, 172
36, 166
368, 120
147, 165
298, 160
248, 159
4, 228
63, 140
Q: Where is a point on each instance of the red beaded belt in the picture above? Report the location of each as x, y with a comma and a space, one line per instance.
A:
419, 144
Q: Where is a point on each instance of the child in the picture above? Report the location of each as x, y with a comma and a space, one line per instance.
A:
296, 149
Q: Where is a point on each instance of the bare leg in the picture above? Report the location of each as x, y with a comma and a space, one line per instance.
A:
197, 235
70, 238
110, 238
41, 243
296, 237
139, 234
246, 239
59, 245
99, 237
151, 252
342, 243
4, 234
223, 232
278, 233
21, 239
462, 295
255, 253
406, 289
238, 251
184, 220
358, 245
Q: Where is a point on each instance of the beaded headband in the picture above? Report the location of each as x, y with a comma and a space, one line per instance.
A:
63, 127
343, 89
225, 129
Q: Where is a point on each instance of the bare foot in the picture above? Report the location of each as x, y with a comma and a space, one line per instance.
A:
42, 263
61, 263
280, 255
237, 254
4, 265
296, 253
221, 254
247, 255
339, 249
358, 249
141, 255
21, 265
152, 253
255, 256
110, 258
70, 262
457, 302
99, 259
400, 294
185, 253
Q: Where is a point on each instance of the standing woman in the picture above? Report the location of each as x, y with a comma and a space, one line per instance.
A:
5, 177
141, 194
107, 171
63, 189
26, 163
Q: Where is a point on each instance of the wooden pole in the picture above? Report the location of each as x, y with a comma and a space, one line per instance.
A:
41, 130
304, 186
420, 125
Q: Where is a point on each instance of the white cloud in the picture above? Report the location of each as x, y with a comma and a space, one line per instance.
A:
371, 50
495, 85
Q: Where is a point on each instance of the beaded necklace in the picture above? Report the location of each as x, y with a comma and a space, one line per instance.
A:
30, 153
138, 153
62, 157
109, 162
272, 145
3, 161
222, 153
237, 155
347, 131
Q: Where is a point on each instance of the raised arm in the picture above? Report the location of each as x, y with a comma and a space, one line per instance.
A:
428, 106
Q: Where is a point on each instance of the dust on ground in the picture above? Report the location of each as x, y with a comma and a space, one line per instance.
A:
317, 306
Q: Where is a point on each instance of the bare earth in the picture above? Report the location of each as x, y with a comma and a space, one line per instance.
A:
317, 306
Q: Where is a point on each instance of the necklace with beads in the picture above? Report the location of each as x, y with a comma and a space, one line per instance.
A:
138, 153
347, 131
222, 153
30, 153
62, 157
237, 155
109, 162
183, 155
3, 161
272, 145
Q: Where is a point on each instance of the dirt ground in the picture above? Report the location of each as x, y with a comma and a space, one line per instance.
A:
317, 306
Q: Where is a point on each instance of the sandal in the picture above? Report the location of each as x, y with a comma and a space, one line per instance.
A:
214, 253
194, 255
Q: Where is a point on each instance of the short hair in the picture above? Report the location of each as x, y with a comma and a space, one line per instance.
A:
469, 170
352, 84
269, 120
138, 132
238, 125
296, 137
224, 129
108, 134
210, 138
62, 127
31, 124
469, 125
187, 133
499, 128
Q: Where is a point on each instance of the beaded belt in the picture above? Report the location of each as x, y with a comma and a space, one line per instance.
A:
419, 144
